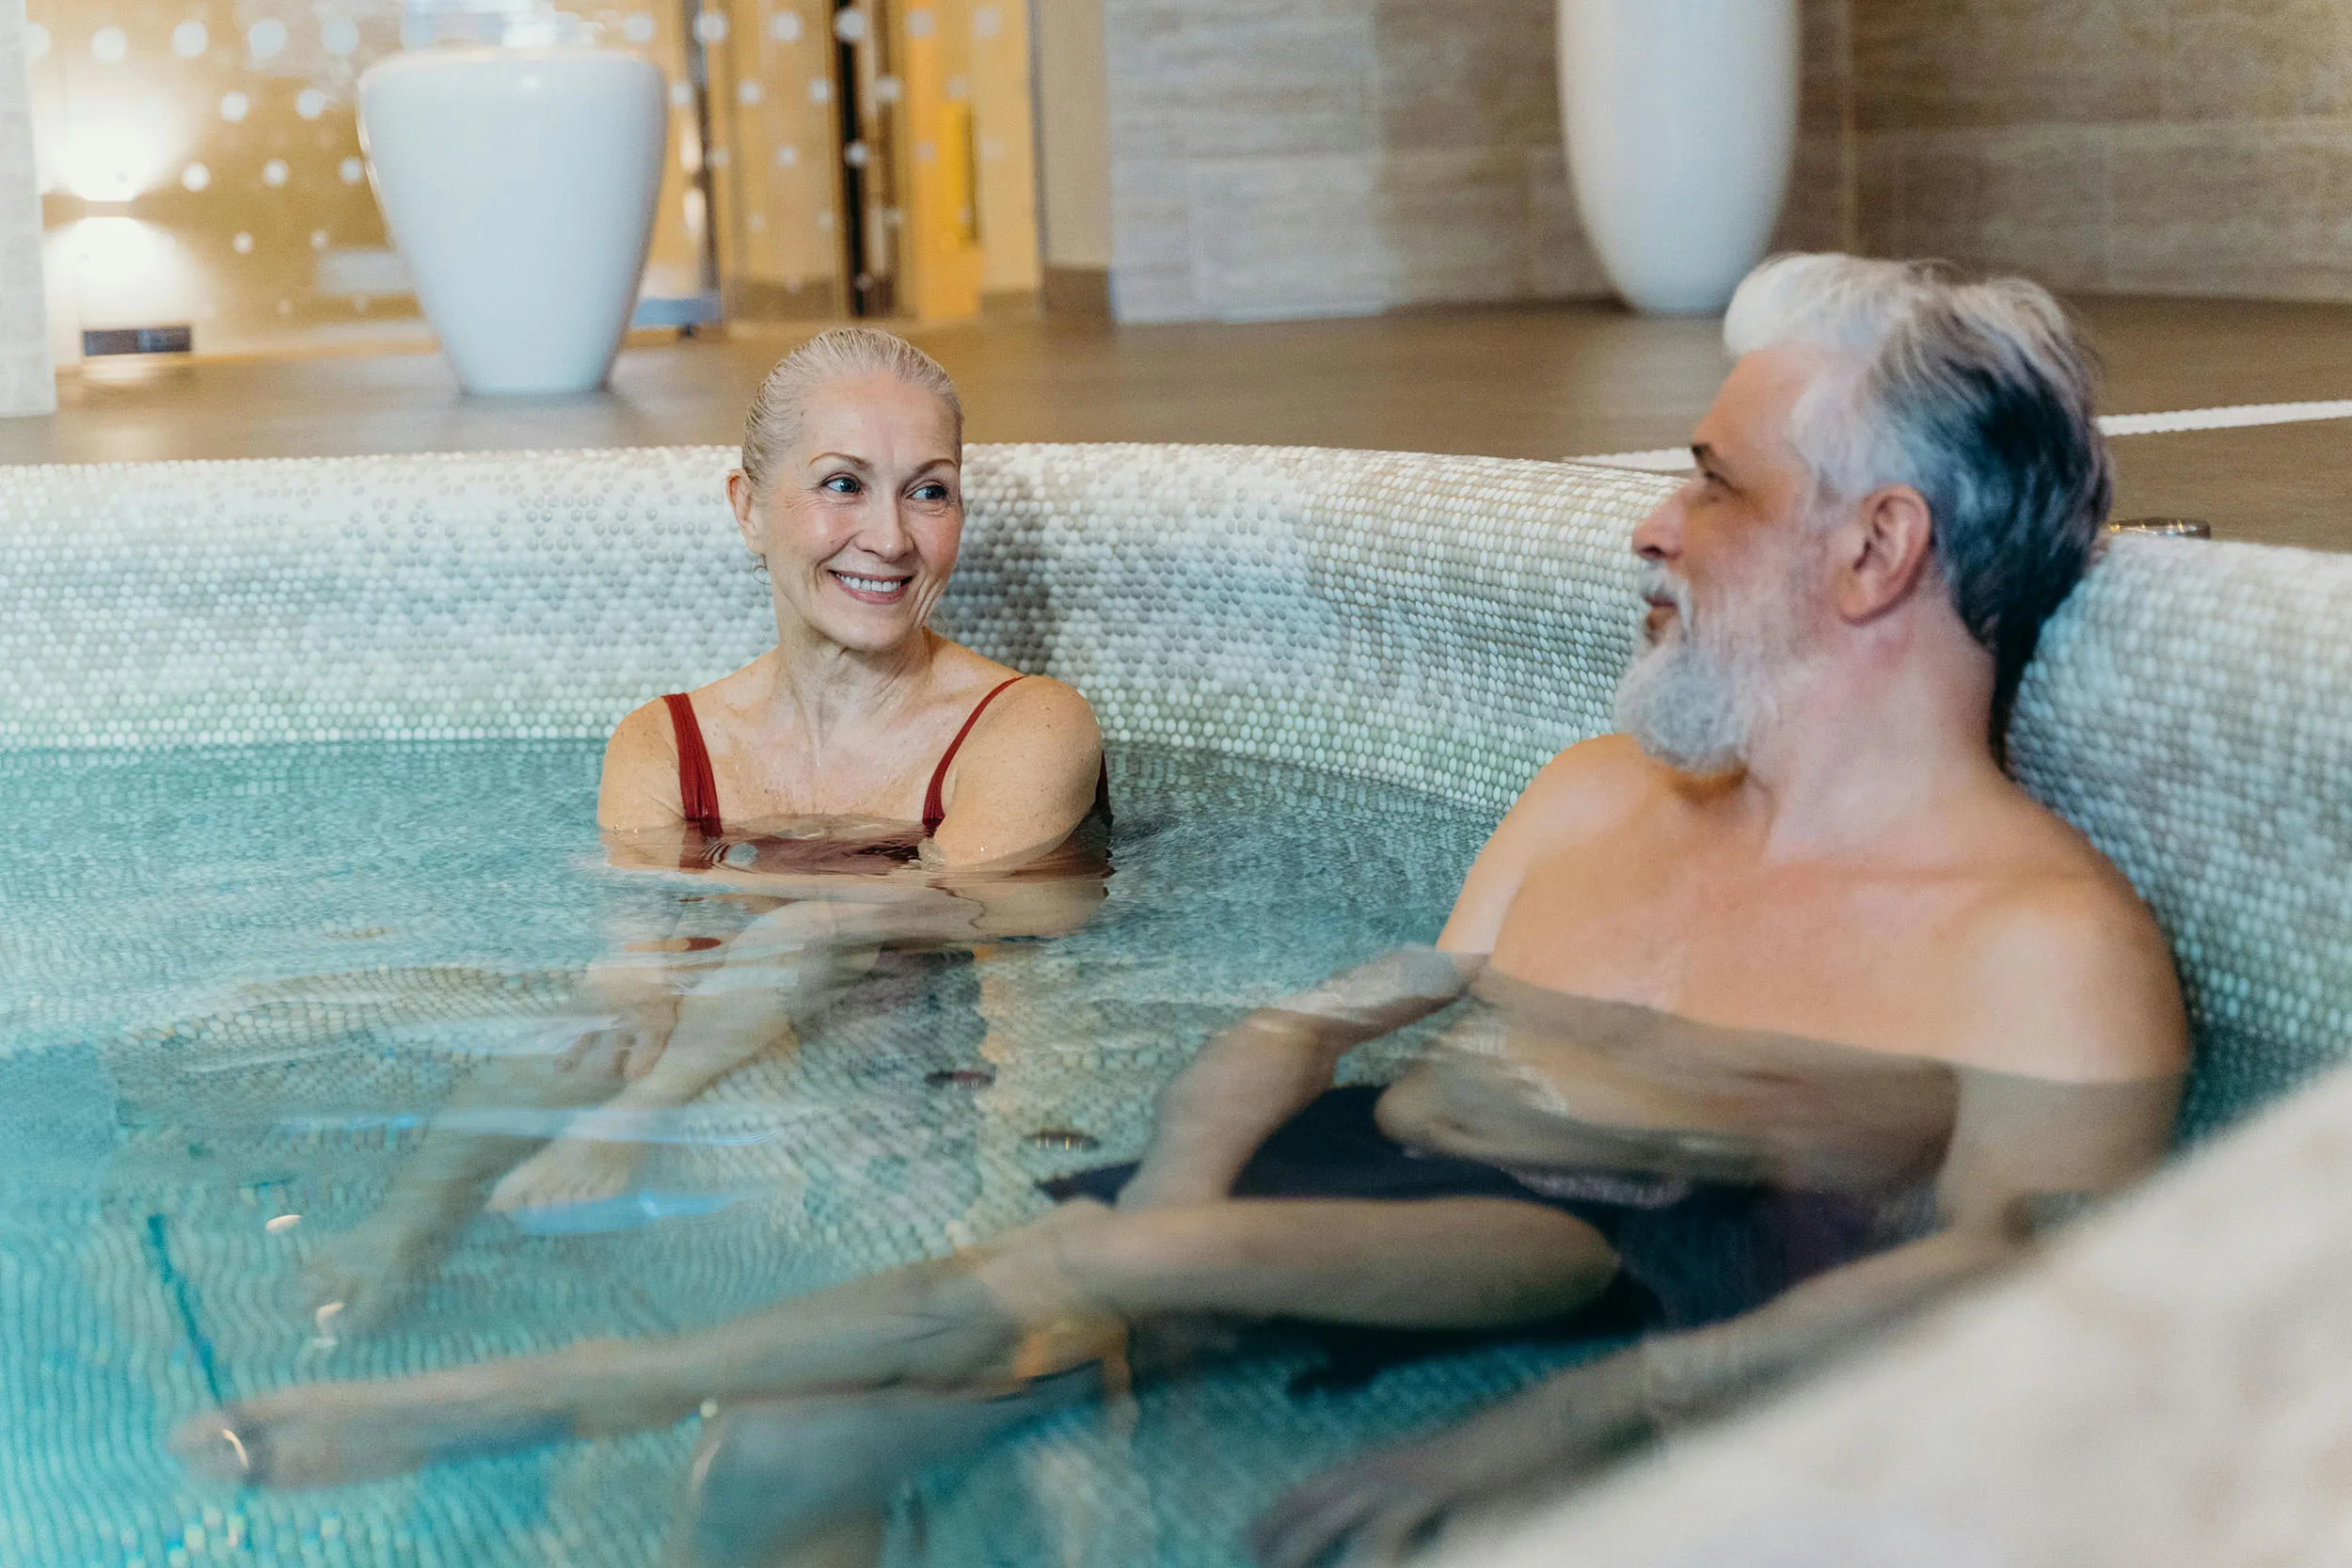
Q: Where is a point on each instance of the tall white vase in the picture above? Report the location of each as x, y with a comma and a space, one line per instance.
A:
1681, 119
520, 187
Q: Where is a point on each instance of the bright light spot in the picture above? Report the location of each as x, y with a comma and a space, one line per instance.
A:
718, 157
339, 35
887, 90
196, 177
639, 28
991, 150
234, 106
190, 40
756, 223
353, 172
848, 27
750, 92
242, 244
318, 239
681, 96
921, 23
856, 154
987, 21
820, 91
273, 173
283, 1224
787, 155
785, 27
711, 27
695, 212
959, 89
266, 38
109, 45
135, 146
825, 222
35, 40
925, 152
310, 103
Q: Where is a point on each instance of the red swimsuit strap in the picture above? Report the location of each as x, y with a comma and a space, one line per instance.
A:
697, 788
934, 810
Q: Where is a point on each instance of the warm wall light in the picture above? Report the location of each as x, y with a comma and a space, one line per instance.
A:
120, 146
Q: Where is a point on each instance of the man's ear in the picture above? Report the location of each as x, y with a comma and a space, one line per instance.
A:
739, 499
1887, 544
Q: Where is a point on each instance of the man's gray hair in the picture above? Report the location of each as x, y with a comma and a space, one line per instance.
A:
774, 423
1977, 395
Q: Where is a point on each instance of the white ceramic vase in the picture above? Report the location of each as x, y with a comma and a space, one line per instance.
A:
1681, 120
520, 187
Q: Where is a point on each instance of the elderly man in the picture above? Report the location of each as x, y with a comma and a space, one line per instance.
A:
1787, 1006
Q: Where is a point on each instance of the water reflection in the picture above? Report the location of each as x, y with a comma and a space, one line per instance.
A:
788, 920
1549, 1167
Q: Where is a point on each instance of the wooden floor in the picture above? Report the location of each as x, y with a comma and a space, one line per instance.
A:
1544, 381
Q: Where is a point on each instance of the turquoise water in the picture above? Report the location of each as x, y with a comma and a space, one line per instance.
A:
235, 986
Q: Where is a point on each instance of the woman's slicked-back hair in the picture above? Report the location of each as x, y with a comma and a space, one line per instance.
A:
774, 423
1979, 395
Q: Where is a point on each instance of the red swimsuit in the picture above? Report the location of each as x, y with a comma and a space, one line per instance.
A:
698, 788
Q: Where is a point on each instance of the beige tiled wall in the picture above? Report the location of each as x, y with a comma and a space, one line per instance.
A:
2198, 147
1303, 157
26, 386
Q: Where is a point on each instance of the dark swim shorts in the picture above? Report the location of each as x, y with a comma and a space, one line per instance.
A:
1707, 1253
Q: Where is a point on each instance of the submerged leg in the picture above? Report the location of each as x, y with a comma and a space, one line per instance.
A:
779, 972
598, 1154
1052, 1296
355, 1280
778, 1479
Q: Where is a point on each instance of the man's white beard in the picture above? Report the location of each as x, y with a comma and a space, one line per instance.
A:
1698, 697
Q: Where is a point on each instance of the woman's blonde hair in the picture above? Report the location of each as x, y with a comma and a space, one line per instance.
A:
844, 351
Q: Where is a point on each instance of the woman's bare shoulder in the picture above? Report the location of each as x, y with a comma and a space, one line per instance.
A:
1043, 703
1031, 707
639, 788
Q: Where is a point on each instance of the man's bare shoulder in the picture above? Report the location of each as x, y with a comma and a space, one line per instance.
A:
2064, 969
1591, 790
1596, 786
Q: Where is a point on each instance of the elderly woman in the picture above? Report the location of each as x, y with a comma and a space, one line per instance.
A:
850, 494
869, 781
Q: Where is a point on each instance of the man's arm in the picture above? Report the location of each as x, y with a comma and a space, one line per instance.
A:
2081, 992
1250, 1080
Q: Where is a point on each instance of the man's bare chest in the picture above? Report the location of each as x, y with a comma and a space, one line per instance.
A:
1825, 953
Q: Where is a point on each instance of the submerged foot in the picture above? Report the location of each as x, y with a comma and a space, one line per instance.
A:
332, 1433
581, 1167
359, 1281
776, 1475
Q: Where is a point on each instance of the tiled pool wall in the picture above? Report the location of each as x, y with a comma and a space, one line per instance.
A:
1442, 623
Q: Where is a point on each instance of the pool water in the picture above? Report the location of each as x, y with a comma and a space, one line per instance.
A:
235, 986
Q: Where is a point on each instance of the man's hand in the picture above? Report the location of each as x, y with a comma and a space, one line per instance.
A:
1380, 1509
1386, 1506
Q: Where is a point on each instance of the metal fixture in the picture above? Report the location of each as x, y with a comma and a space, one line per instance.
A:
2165, 527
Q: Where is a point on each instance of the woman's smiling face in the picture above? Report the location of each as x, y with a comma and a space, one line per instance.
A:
863, 516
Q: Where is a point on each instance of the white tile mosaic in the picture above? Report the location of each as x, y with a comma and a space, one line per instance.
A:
1444, 622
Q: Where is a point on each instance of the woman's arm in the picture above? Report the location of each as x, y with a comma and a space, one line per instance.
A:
638, 790
1023, 780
